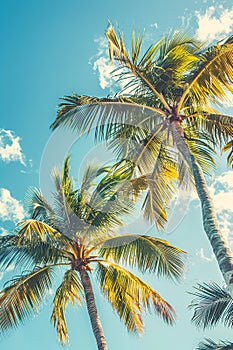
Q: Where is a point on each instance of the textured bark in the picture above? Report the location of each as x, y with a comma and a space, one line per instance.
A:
218, 242
92, 310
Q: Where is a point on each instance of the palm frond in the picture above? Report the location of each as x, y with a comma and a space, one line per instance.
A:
85, 113
70, 291
213, 304
23, 296
218, 127
145, 253
35, 230
229, 147
117, 51
212, 76
161, 188
200, 146
129, 295
29, 254
209, 344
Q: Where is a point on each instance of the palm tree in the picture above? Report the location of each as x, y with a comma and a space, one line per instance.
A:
213, 305
166, 130
74, 235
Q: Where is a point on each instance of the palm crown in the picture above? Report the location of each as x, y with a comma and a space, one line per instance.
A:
77, 233
172, 84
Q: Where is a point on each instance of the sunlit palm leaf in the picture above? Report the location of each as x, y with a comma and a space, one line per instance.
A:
212, 305
218, 127
229, 147
35, 230
145, 253
213, 75
70, 291
23, 297
161, 188
128, 295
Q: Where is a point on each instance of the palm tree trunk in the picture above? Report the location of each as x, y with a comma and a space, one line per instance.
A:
218, 242
92, 310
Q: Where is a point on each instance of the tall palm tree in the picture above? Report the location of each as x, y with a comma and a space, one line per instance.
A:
213, 305
73, 236
166, 130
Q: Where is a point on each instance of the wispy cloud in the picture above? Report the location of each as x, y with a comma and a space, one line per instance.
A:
10, 208
10, 148
102, 64
215, 23
202, 255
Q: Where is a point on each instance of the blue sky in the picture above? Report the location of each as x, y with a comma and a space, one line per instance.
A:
50, 49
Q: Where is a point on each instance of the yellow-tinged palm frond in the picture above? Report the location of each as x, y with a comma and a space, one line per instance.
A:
23, 297
212, 76
229, 147
202, 150
161, 188
146, 253
35, 230
129, 295
70, 291
218, 127
176, 39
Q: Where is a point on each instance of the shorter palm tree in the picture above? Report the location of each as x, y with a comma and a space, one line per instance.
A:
213, 305
75, 235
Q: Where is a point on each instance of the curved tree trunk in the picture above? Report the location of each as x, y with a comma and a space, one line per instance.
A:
218, 242
92, 310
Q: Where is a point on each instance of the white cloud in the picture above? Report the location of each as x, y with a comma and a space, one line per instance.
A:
10, 208
221, 192
102, 64
10, 148
202, 255
215, 23
104, 68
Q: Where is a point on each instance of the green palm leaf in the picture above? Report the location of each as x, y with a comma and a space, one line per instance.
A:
213, 75
23, 297
212, 305
86, 113
34, 230
70, 291
209, 344
229, 147
29, 254
145, 253
218, 127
